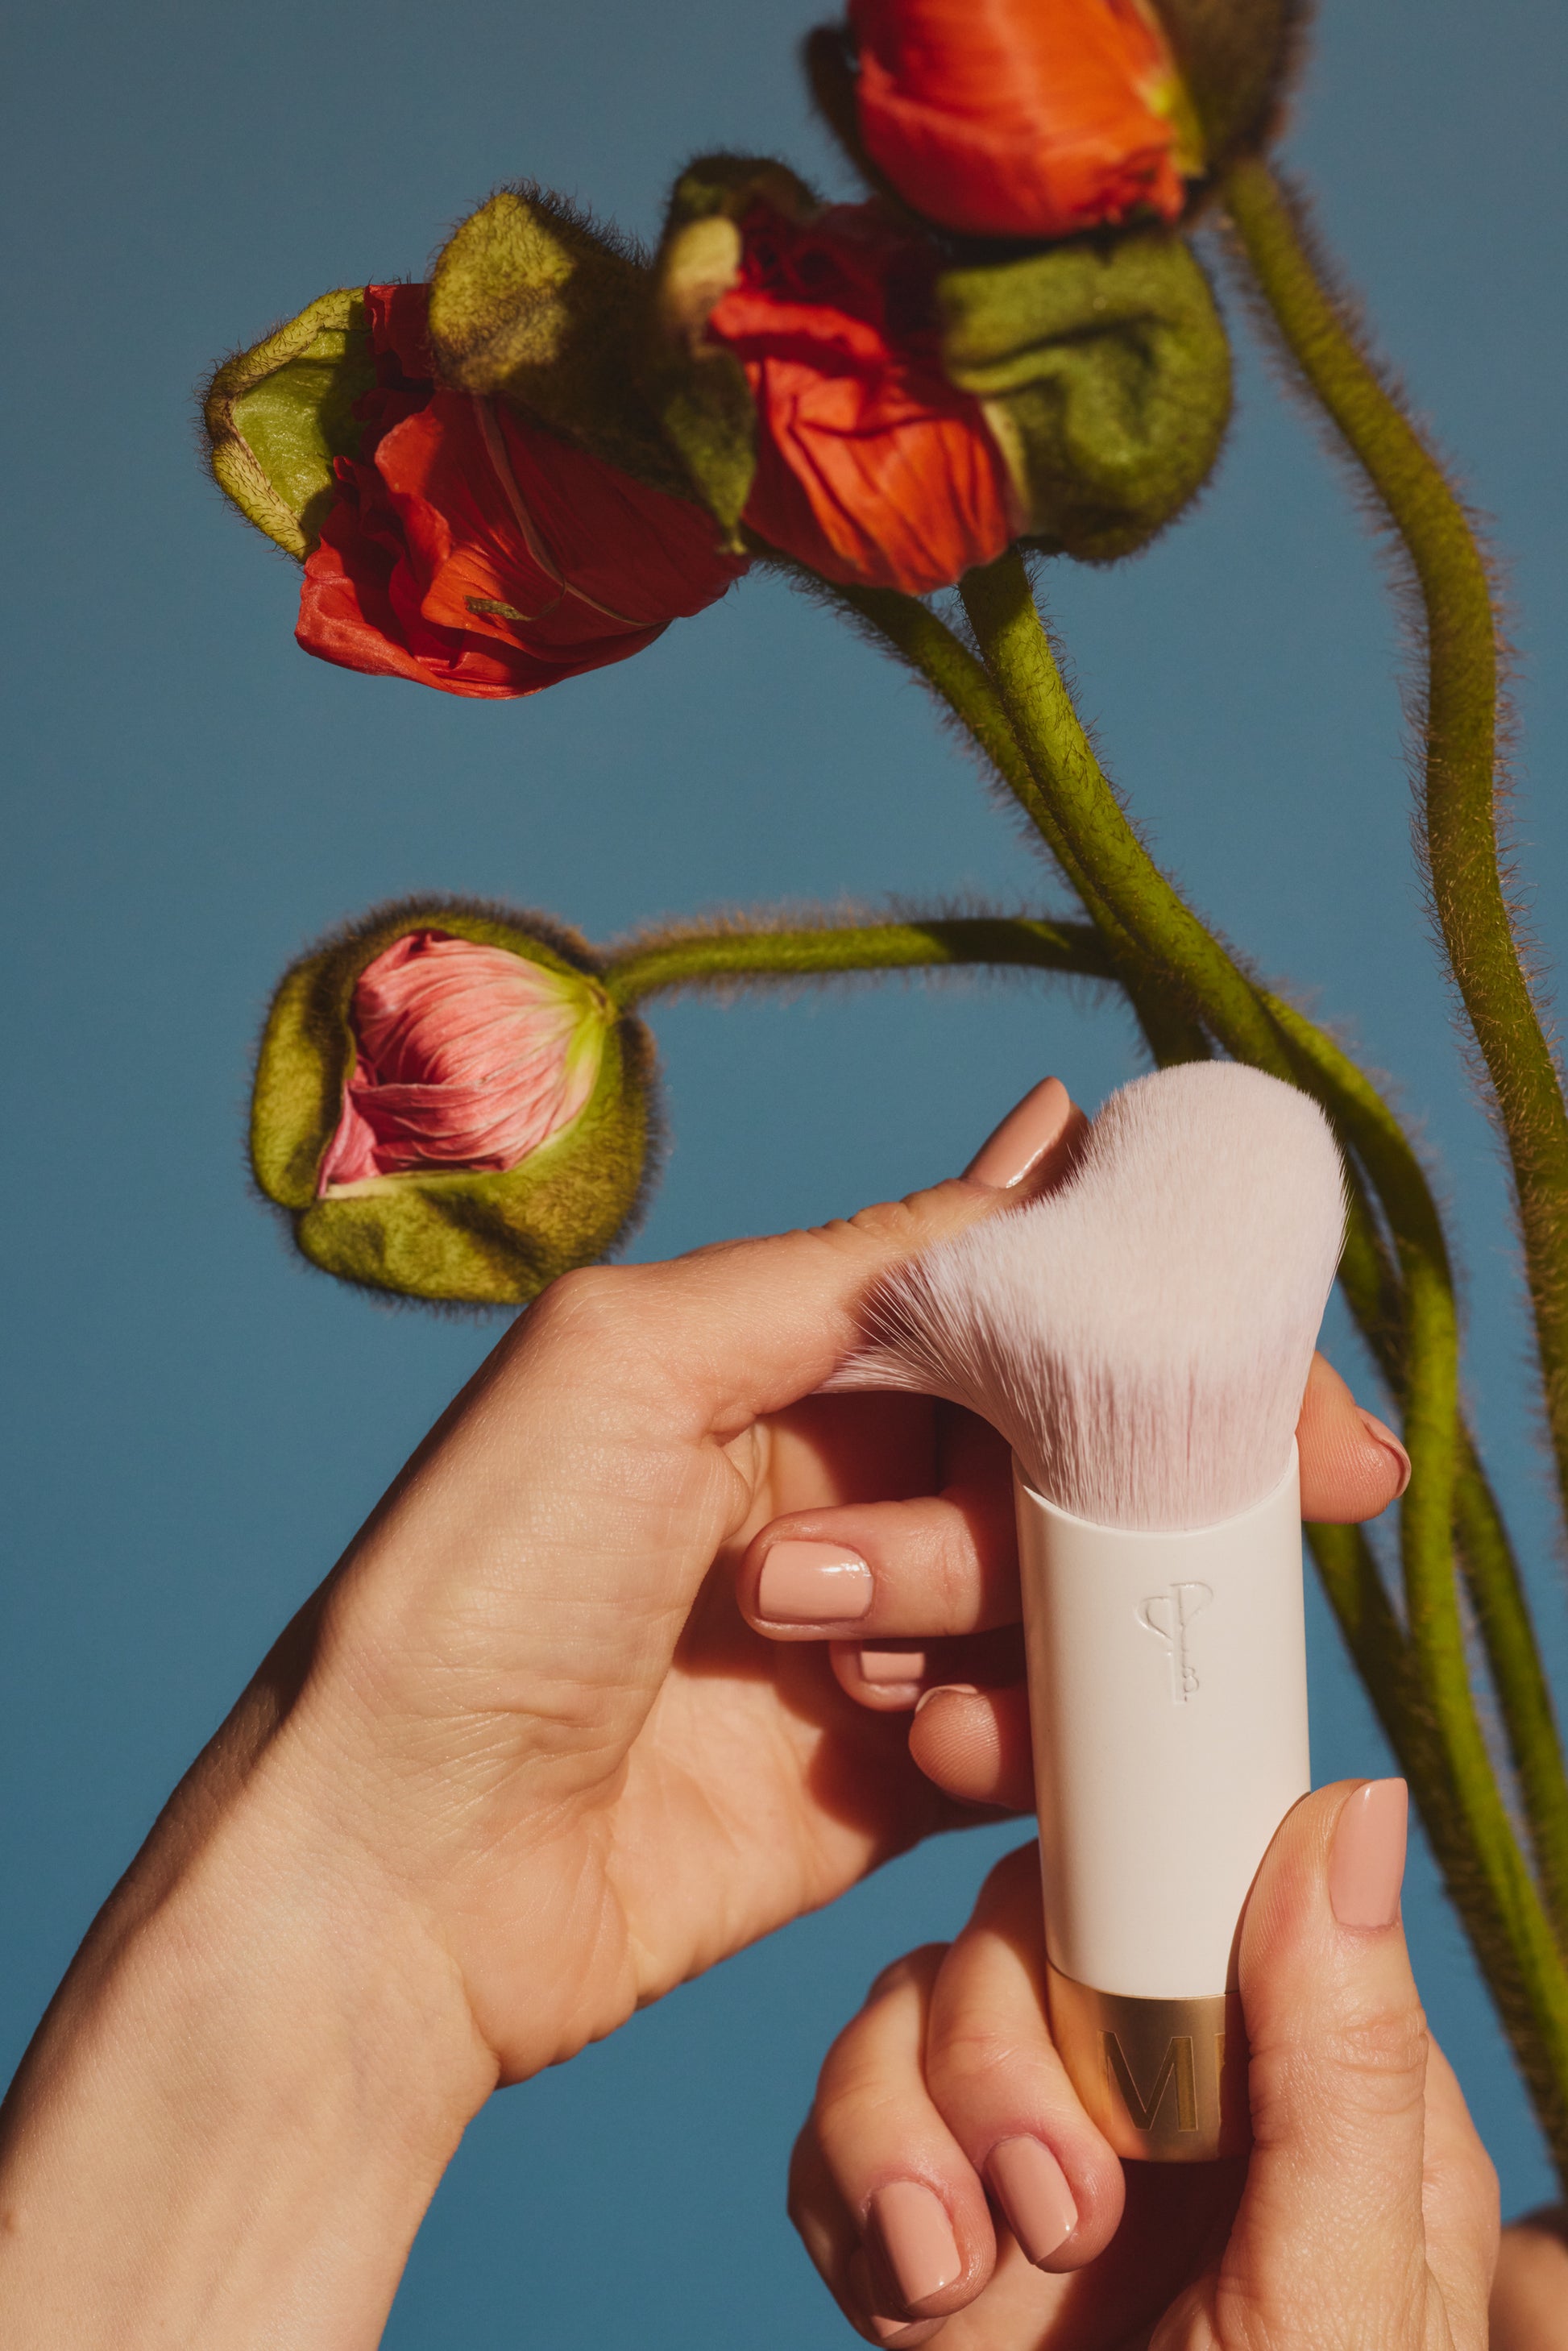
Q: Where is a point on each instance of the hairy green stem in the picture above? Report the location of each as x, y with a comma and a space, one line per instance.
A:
1019, 656
1459, 819
1524, 1695
661, 963
928, 646
1428, 1337
1165, 933
1404, 1304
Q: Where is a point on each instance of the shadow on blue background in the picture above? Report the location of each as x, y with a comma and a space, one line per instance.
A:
196, 1424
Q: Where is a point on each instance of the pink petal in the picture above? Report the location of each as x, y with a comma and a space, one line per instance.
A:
467, 1057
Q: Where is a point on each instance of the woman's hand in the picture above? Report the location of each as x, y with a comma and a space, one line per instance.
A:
520, 1767
949, 2181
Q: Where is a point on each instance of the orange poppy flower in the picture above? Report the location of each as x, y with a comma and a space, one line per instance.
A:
870, 467
474, 550
1021, 118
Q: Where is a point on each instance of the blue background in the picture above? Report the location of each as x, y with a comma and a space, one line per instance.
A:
196, 1422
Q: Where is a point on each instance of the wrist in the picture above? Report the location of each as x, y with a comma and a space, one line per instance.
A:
243, 2095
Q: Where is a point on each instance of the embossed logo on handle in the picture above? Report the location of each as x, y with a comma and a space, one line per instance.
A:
1167, 1614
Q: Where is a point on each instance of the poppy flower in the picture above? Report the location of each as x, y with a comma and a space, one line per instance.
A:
872, 467
449, 1104
1022, 118
468, 1056
473, 549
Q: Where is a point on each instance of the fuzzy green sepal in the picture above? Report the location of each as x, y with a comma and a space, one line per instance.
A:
278, 414
487, 1238
1235, 59
698, 391
534, 302
1105, 373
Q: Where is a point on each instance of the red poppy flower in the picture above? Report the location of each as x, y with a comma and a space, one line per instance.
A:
870, 467
471, 550
1021, 118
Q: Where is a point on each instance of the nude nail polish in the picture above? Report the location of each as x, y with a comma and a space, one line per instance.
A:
1032, 2189
916, 2237
1024, 1138
1381, 1434
904, 2334
1367, 1860
814, 1583
899, 2334
886, 1666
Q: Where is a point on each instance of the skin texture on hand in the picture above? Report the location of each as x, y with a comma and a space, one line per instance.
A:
1366, 2212
521, 1766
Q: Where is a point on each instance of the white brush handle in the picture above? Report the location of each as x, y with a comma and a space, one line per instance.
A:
1168, 1702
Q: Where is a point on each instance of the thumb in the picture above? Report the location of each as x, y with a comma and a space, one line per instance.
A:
583, 1478
710, 1342
1329, 2241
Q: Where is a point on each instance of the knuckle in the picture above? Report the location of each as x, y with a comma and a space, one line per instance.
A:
972, 2055
915, 1967
951, 1568
1368, 2063
585, 1303
1383, 2051
902, 1226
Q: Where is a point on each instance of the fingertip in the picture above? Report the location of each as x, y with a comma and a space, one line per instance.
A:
1033, 1145
974, 1744
900, 2334
886, 1677
1353, 1465
1383, 1437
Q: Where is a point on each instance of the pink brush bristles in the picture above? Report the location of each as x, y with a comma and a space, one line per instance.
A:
1142, 1335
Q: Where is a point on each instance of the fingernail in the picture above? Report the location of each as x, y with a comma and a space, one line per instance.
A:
814, 1583
1024, 1138
916, 2236
904, 2334
1032, 2189
946, 1689
901, 2334
1366, 1861
884, 1666
1382, 1434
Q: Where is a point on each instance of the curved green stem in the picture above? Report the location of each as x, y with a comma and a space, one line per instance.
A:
1462, 721
1404, 1303
928, 646
663, 962
1084, 811
1524, 1696
1490, 1881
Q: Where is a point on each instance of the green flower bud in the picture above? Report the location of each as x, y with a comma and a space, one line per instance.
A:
1105, 370
1235, 57
533, 302
449, 1104
278, 414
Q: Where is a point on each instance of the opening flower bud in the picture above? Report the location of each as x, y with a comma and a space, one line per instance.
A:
465, 1056
872, 466
1024, 118
449, 1104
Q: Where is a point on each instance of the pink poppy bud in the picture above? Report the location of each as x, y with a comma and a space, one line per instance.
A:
450, 1103
465, 1057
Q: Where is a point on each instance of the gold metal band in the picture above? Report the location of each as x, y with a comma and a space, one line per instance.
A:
1165, 2080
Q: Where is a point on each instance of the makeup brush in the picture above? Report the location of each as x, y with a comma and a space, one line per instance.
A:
1142, 1336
